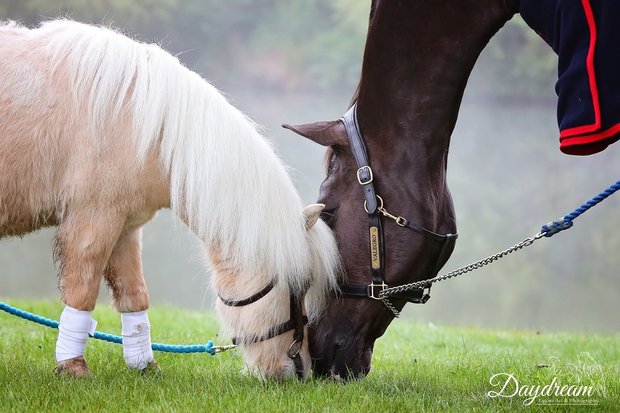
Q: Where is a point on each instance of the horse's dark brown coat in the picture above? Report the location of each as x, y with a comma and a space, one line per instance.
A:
417, 60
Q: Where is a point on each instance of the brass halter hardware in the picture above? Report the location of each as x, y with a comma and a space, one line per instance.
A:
400, 221
364, 175
375, 290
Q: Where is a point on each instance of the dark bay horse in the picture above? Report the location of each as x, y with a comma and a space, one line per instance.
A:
417, 61
386, 193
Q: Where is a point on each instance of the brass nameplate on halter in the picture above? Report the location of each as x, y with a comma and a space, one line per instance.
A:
375, 257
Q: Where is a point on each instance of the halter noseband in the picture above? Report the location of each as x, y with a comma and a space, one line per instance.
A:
373, 204
295, 323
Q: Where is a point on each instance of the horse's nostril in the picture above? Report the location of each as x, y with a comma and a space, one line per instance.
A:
343, 343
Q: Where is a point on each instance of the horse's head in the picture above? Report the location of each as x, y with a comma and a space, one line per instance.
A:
412, 81
341, 343
268, 318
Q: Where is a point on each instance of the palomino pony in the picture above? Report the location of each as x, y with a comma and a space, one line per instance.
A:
97, 133
385, 192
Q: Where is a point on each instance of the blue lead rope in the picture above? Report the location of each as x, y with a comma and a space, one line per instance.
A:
552, 228
168, 348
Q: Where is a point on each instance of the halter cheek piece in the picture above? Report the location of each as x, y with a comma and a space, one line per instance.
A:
373, 204
295, 323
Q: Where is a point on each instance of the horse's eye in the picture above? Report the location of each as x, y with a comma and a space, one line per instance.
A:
328, 215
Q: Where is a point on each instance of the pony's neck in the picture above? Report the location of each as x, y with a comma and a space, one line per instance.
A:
415, 69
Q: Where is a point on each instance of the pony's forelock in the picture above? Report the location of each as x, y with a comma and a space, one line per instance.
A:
326, 270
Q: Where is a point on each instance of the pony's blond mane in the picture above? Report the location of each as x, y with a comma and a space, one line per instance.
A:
226, 182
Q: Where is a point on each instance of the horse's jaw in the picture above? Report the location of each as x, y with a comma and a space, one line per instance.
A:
344, 365
342, 347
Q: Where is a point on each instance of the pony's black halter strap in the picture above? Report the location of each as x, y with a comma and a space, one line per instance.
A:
296, 323
251, 299
373, 205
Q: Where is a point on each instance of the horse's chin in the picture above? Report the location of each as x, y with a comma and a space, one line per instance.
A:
343, 370
343, 362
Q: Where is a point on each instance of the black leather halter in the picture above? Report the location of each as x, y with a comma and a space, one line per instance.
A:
373, 205
295, 323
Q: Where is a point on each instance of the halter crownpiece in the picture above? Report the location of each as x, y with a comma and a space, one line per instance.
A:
373, 205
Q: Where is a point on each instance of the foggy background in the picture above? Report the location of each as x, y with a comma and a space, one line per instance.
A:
298, 61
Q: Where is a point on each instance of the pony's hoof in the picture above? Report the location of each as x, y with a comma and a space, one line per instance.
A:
75, 367
151, 369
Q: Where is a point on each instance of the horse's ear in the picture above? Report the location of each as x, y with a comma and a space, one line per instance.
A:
323, 133
312, 213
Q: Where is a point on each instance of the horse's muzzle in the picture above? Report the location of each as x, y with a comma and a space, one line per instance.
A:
343, 359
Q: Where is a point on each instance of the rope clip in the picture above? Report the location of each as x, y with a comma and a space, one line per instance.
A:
221, 349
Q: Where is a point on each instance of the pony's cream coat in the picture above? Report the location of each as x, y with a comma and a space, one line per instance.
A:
98, 132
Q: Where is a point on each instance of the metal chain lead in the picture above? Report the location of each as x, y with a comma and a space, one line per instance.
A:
385, 294
390, 306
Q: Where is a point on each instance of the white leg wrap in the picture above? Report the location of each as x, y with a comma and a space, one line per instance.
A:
136, 339
73, 331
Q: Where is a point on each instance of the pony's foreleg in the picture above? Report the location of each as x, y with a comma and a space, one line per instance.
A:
84, 243
131, 298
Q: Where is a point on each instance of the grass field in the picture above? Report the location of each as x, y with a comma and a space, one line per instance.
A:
416, 368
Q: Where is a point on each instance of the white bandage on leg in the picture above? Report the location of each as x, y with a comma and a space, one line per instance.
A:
137, 339
73, 331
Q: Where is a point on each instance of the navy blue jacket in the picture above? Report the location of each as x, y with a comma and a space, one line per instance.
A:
586, 36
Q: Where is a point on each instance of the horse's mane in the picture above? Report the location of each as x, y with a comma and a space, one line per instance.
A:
225, 179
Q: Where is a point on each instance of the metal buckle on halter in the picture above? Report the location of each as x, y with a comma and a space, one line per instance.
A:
401, 221
426, 295
364, 175
294, 349
372, 293
419, 295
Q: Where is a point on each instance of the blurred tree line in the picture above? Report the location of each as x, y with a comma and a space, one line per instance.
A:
274, 41
274, 44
